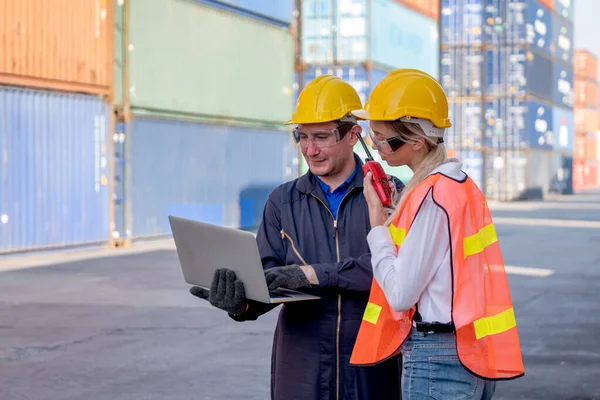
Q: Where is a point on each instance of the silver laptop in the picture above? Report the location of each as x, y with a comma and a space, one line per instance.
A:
203, 248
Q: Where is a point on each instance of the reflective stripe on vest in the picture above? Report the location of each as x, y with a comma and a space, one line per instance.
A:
486, 333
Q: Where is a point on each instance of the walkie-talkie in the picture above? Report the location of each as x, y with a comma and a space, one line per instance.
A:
380, 180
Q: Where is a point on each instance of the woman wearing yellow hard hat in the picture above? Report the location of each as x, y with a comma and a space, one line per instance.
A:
439, 293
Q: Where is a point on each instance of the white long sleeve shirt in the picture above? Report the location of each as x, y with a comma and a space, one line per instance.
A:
419, 273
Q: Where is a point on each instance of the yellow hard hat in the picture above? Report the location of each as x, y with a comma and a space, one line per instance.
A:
325, 98
406, 94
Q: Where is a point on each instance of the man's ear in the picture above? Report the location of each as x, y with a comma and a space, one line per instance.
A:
356, 130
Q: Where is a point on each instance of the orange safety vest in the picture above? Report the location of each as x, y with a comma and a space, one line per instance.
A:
486, 333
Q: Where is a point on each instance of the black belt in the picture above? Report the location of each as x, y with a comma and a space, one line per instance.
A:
435, 327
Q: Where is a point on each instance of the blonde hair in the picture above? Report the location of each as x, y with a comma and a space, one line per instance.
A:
436, 156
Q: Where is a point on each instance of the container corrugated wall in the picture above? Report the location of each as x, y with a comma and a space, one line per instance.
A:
59, 44
215, 173
54, 172
207, 61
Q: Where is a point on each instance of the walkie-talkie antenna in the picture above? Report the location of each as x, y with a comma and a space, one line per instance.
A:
364, 145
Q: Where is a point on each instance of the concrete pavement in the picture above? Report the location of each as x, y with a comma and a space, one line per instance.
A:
120, 324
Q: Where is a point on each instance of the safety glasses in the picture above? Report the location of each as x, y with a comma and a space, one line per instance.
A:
388, 145
321, 139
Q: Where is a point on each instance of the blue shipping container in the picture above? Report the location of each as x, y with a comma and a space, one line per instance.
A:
564, 128
516, 72
518, 22
461, 71
461, 22
472, 161
562, 40
54, 178
214, 173
278, 12
563, 94
565, 9
539, 126
466, 125
403, 38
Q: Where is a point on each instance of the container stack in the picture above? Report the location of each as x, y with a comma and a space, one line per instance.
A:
202, 89
55, 147
362, 40
507, 68
587, 116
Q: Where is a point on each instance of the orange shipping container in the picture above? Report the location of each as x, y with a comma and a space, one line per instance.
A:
586, 64
585, 175
57, 44
548, 3
586, 120
586, 92
430, 8
591, 148
579, 150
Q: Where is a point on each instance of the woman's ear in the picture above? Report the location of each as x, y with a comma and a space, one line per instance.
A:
418, 144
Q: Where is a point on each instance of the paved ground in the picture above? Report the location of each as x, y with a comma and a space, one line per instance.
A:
121, 324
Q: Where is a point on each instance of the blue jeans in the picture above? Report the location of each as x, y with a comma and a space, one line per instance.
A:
431, 370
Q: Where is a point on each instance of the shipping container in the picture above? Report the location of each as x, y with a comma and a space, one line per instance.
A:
402, 38
563, 90
55, 174
518, 72
586, 120
518, 23
273, 11
515, 124
591, 147
579, 151
548, 4
461, 71
565, 9
461, 22
465, 132
244, 73
505, 174
61, 45
563, 126
586, 92
586, 65
380, 31
214, 173
562, 46
472, 164
430, 8
585, 175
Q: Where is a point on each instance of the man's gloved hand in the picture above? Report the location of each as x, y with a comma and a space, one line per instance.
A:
289, 277
226, 292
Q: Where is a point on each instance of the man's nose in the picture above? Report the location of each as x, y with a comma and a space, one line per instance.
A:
311, 149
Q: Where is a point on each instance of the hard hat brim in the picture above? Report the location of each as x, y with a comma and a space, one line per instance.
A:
360, 114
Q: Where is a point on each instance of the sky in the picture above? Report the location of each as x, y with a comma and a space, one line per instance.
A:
587, 25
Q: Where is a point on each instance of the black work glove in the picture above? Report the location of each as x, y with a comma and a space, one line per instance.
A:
289, 277
226, 292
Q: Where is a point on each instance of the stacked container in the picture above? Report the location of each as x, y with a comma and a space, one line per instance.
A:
587, 125
362, 40
55, 147
202, 91
506, 67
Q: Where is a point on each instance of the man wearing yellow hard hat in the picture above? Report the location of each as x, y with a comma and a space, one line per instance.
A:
440, 295
313, 238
